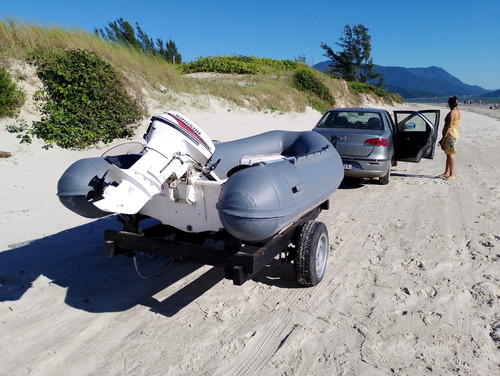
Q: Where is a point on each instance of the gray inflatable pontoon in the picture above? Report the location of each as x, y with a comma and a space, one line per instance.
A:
260, 199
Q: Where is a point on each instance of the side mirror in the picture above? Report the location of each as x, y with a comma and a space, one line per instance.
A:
410, 126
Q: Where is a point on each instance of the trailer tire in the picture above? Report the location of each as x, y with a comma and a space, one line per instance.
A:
312, 253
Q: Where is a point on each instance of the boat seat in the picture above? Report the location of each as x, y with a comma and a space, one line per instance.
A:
267, 147
252, 159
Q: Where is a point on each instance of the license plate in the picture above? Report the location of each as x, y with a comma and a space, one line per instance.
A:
347, 166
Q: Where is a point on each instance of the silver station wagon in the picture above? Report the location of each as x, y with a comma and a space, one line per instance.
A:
370, 141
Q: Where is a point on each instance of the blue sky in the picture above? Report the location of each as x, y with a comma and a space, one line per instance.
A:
459, 36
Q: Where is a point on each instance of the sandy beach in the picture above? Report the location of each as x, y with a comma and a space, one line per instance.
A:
412, 285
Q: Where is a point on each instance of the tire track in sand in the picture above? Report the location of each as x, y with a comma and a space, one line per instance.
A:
263, 346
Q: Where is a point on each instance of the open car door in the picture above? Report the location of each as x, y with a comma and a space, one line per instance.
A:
415, 134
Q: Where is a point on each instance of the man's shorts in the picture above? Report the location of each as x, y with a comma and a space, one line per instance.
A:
449, 145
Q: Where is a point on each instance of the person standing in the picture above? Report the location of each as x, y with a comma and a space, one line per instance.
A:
450, 138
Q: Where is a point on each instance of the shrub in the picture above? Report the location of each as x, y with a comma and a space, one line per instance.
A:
396, 98
306, 81
11, 97
237, 64
87, 101
360, 88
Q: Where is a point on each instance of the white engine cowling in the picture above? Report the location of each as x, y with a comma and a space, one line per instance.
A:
174, 145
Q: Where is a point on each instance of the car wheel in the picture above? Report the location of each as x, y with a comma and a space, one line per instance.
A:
312, 253
384, 180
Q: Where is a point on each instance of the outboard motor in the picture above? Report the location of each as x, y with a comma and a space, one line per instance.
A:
175, 144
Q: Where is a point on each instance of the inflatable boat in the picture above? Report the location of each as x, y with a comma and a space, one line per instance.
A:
253, 188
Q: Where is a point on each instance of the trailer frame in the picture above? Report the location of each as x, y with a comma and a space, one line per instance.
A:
241, 261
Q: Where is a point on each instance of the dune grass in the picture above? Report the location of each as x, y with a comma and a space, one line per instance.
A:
142, 71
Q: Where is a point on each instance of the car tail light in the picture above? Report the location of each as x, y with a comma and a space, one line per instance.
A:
379, 141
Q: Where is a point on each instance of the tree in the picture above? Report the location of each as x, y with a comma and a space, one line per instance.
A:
120, 31
301, 59
169, 51
353, 61
146, 42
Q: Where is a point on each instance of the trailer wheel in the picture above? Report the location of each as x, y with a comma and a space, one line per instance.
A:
312, 253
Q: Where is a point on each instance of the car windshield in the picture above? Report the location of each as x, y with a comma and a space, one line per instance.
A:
351, 120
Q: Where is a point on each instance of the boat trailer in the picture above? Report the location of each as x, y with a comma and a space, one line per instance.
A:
305, 242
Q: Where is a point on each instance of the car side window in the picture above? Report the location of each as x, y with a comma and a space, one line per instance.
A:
413, 123
326, 121
432, 116
388, 119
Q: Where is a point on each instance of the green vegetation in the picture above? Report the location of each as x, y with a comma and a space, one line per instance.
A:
11, 97
362, 88
18, 41
121, 32
320, 97
353, 61
238, 65
94, 88
22, 129
86, 100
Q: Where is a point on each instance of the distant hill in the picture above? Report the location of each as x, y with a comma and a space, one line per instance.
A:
492, 94
420, 82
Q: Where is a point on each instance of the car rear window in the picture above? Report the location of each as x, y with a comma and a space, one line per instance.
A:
351, 120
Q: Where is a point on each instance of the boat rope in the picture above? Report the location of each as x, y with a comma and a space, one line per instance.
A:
154, 274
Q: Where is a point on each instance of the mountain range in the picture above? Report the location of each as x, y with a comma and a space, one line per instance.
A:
421, 82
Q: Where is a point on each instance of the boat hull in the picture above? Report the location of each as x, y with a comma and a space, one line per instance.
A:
73, 187
265, 183
258, 202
